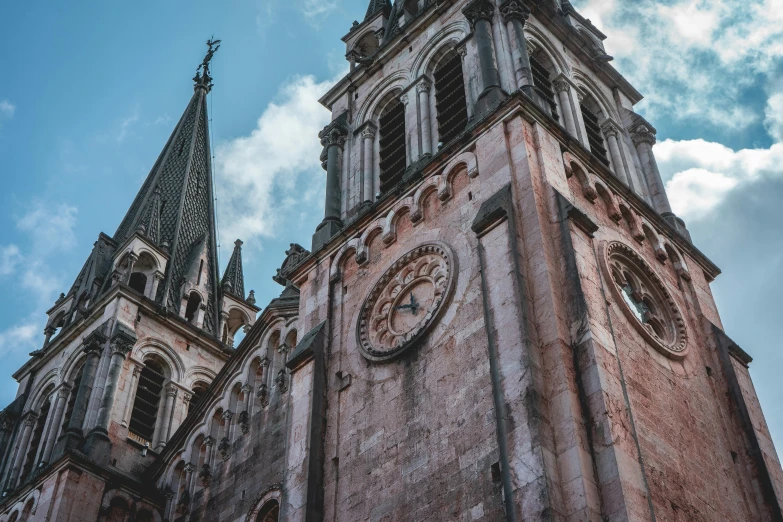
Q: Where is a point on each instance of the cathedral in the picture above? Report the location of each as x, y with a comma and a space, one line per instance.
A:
499, 317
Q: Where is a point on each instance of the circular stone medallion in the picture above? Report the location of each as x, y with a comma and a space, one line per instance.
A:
644, 299
406, 301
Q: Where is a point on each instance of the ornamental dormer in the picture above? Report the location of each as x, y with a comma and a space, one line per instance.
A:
140, 264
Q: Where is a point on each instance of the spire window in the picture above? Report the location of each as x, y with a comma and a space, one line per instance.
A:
392, 142
594, 136
35, 440
138, 282
542, 82
145, 407
450, 101
191, 311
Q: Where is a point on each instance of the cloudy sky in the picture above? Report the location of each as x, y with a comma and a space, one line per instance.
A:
91, 91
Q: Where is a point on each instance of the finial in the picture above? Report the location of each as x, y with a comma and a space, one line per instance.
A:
251, 297
238, 243
203, 78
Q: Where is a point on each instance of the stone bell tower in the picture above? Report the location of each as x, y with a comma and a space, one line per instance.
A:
143, 330
506, 321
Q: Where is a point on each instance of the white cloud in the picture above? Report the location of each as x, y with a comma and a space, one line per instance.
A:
9, 258
773, 120
50, 227
692, 59
7, 110
701, 174
316, 10
19, 337
126, 124
270, 177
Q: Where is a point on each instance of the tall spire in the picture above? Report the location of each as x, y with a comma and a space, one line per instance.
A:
174, 207
233, 281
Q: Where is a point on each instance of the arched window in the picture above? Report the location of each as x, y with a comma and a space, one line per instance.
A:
191, 311
138, 282
392, 144
590, 115
270, 512
35, 439
198, 392
28, 509
542, 71
118, 510
14, 517
145, 407
72, 399
450, 101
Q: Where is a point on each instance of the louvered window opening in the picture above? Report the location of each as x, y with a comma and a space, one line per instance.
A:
71, 401
450, 102
145, 407
392, 142
543, 85
35, 440
594, 137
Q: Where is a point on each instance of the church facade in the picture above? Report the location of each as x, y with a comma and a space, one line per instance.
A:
499, 317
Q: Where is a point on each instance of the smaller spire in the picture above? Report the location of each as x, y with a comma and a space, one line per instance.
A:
150, 222
233, 279
377, 6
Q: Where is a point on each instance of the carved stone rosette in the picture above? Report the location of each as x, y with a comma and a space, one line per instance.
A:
388, 325
644, 299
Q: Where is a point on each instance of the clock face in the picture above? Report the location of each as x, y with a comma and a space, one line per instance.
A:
405, 302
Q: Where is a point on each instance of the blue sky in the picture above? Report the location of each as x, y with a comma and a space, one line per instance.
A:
91, 92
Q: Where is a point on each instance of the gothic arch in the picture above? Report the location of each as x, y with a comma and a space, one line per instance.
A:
611, 205
587, 86
117, 493
36, 397
396, 81
574, 167
443, 41
271, 493
654, 239
541, 41
430, 185
402, 208
149, 347
196, 374
72, 364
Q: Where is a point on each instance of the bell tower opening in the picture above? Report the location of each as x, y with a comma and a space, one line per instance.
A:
392, 141
450, 101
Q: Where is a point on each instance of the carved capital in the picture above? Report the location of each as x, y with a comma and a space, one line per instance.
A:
368, 132
333, 134
462, 51
423, 86
246, 389
64, 391
186, 397
228, 414
610, 128
264, 362
94, 342
171, 390
189, 468
561, 85
209, 441
514, 10
404, 99
30, 419
642, 134
478, 10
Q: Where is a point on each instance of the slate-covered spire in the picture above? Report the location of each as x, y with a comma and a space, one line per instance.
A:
175, 206
233, 281
377, 6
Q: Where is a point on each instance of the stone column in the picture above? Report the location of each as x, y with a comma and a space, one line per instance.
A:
6, 426
423, 90
132, 258
93, 346
480, 13
98, 443
168, 410
59, 409
466, 79
157, 277
562, 87
134, 381
24, 440
333, 140
644, 139
611, 132
368, 142
48, 333
515, 14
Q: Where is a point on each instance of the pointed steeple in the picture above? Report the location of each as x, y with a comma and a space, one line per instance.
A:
377, 6
175, 209
233, 281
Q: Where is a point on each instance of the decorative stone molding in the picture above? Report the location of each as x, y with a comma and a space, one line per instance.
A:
335, 133
404, 99
369, 130
642, 134
30, 419
171, 390
263, 395
122, 341
205, 474
561, 85
225, 448
610, 128
282, 381
64, 391
94, 342
406, 302
244, 422
477, 10
514, 10
644, 299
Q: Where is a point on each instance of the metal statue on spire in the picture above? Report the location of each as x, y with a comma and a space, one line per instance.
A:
205, 79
